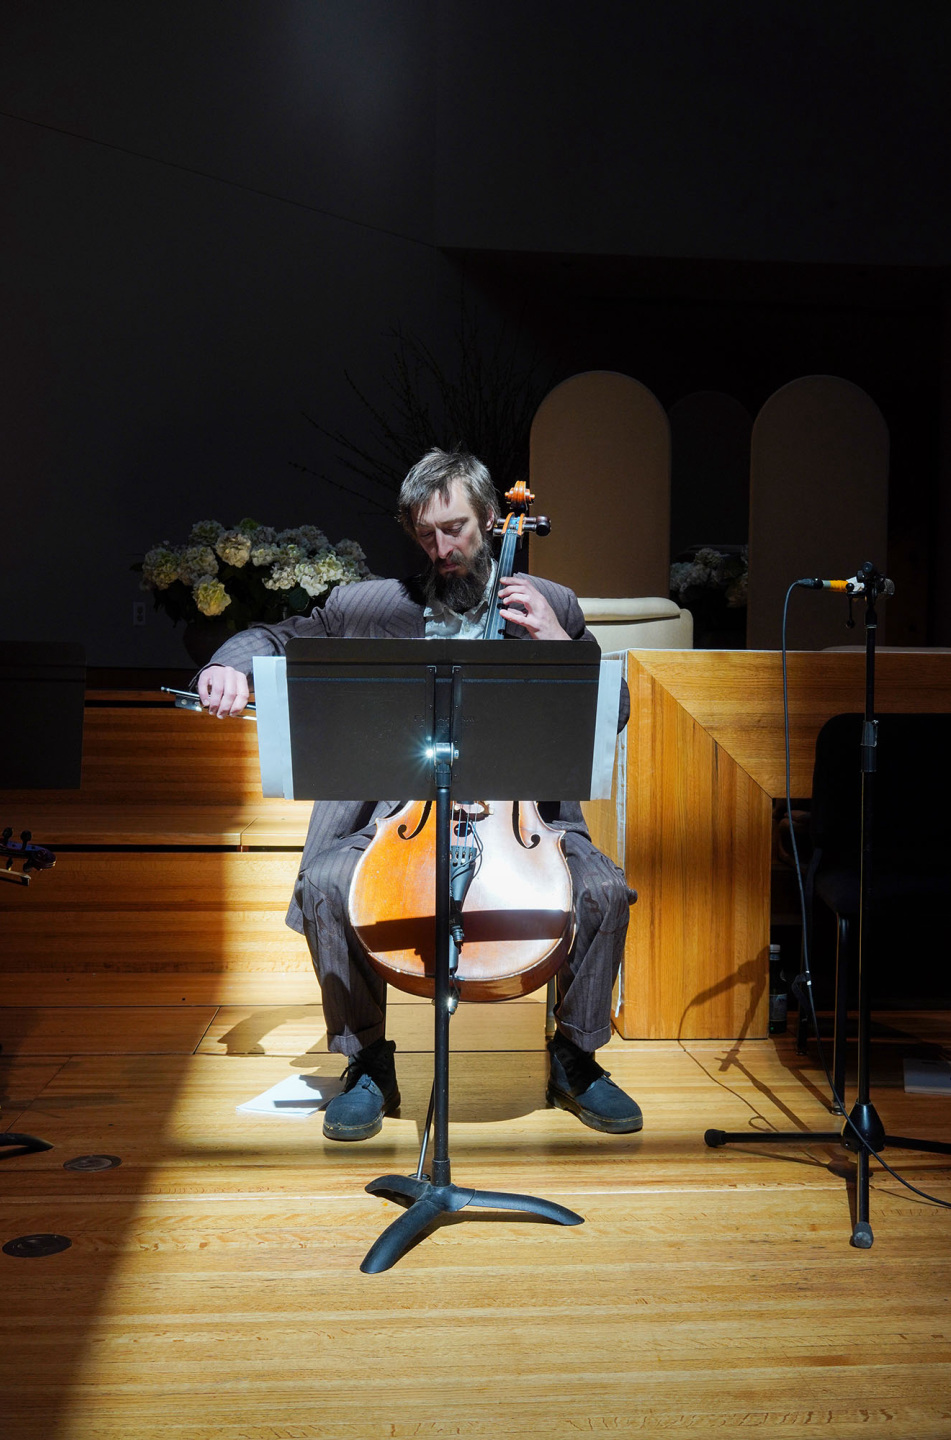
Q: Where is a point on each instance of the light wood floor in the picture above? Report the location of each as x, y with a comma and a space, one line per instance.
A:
212, 1288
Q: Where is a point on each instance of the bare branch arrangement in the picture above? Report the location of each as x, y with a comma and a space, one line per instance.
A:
484, 403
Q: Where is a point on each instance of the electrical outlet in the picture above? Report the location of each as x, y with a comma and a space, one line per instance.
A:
138, 612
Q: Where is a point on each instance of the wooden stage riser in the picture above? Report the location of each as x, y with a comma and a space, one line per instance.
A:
141, 911
138, 755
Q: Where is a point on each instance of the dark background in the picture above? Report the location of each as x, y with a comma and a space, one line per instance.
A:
214, 212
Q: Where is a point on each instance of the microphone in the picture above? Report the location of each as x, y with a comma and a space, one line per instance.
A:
855, 586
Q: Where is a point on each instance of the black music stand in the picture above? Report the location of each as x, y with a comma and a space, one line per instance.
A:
422, 718
43, 685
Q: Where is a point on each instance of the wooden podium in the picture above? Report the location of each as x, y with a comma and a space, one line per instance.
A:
698, 768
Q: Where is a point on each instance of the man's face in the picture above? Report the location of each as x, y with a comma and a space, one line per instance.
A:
448, 530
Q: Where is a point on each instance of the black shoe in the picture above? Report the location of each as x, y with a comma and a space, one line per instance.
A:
576, 1082
370, 1092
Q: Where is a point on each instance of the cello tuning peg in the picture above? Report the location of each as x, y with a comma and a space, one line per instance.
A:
542, 525
6, 834
26, 836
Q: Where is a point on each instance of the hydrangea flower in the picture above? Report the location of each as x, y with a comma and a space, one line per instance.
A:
211, 597
159, 568
282, 577
350, 550
737, 592
292, 564
711, 570
303, 537
265, 554
196, 561
234, 548
311, 537
306, 575
206, 532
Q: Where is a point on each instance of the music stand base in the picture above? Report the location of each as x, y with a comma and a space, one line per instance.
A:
429, 1201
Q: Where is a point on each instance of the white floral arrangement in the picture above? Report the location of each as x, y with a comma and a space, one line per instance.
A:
711, 570
249, 573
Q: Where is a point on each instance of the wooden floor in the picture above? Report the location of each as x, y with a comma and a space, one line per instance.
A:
212, 1287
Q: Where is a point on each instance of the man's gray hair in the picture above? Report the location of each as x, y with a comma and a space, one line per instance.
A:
434, 474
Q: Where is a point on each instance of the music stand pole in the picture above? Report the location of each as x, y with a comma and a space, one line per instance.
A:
435, 1195
863, 1131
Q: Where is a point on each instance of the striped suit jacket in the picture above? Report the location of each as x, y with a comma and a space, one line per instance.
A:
377, 609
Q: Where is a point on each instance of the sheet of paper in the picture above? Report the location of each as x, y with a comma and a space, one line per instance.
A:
605, 726
927, 1077
274, 726
298, 1096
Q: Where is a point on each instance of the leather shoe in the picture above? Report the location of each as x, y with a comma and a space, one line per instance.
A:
370, 1092
576, 1082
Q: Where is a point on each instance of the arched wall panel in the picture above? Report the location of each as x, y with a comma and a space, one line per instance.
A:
818, 506
600, 467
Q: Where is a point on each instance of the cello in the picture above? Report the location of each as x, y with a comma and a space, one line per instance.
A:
509, 877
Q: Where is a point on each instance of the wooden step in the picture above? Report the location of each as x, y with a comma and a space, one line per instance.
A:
55, 824
130, 911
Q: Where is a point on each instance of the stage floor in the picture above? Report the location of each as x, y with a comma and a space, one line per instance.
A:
212, 1287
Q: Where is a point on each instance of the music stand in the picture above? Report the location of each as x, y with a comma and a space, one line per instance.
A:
41, 719
41, 739
422, 718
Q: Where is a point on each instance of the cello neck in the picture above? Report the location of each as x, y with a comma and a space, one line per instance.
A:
494, 628
516, 524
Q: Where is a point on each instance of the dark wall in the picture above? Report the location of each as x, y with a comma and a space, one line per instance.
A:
212, 212
745, 129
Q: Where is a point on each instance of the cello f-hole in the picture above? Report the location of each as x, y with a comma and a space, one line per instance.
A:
401, 829
533, 840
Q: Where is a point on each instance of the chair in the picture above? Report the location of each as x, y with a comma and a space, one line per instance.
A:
911, 833
639, 623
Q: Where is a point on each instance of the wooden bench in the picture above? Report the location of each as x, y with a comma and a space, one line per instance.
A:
169, 861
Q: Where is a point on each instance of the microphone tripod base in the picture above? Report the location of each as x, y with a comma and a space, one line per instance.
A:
429, 1201
24, 1142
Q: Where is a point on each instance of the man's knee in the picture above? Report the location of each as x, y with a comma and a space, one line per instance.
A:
606, 894
325, 884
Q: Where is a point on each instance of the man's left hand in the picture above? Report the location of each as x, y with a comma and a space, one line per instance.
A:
533, 611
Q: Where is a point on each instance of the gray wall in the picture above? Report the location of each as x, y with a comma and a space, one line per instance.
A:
212, 211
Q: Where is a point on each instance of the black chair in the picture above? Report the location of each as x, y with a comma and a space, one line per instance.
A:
911, 835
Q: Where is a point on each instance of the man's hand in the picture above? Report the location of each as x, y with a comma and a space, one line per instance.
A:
535, 614
223, 691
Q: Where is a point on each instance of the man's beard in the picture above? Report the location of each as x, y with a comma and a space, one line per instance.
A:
459, 592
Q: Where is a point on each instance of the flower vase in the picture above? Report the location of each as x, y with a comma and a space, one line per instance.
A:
203, 637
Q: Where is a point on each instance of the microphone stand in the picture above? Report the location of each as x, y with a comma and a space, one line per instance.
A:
863, 1133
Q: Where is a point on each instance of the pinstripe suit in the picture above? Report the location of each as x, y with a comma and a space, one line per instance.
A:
353, 994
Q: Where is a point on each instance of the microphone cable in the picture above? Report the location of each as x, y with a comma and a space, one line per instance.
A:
802, 985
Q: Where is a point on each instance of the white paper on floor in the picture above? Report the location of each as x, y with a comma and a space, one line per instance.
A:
927, 1077
297, 1097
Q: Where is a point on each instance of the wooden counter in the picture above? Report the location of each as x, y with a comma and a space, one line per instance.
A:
698, 768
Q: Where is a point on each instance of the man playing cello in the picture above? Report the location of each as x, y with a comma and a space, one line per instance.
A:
448, 504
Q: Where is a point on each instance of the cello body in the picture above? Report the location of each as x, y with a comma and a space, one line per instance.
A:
518, 914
